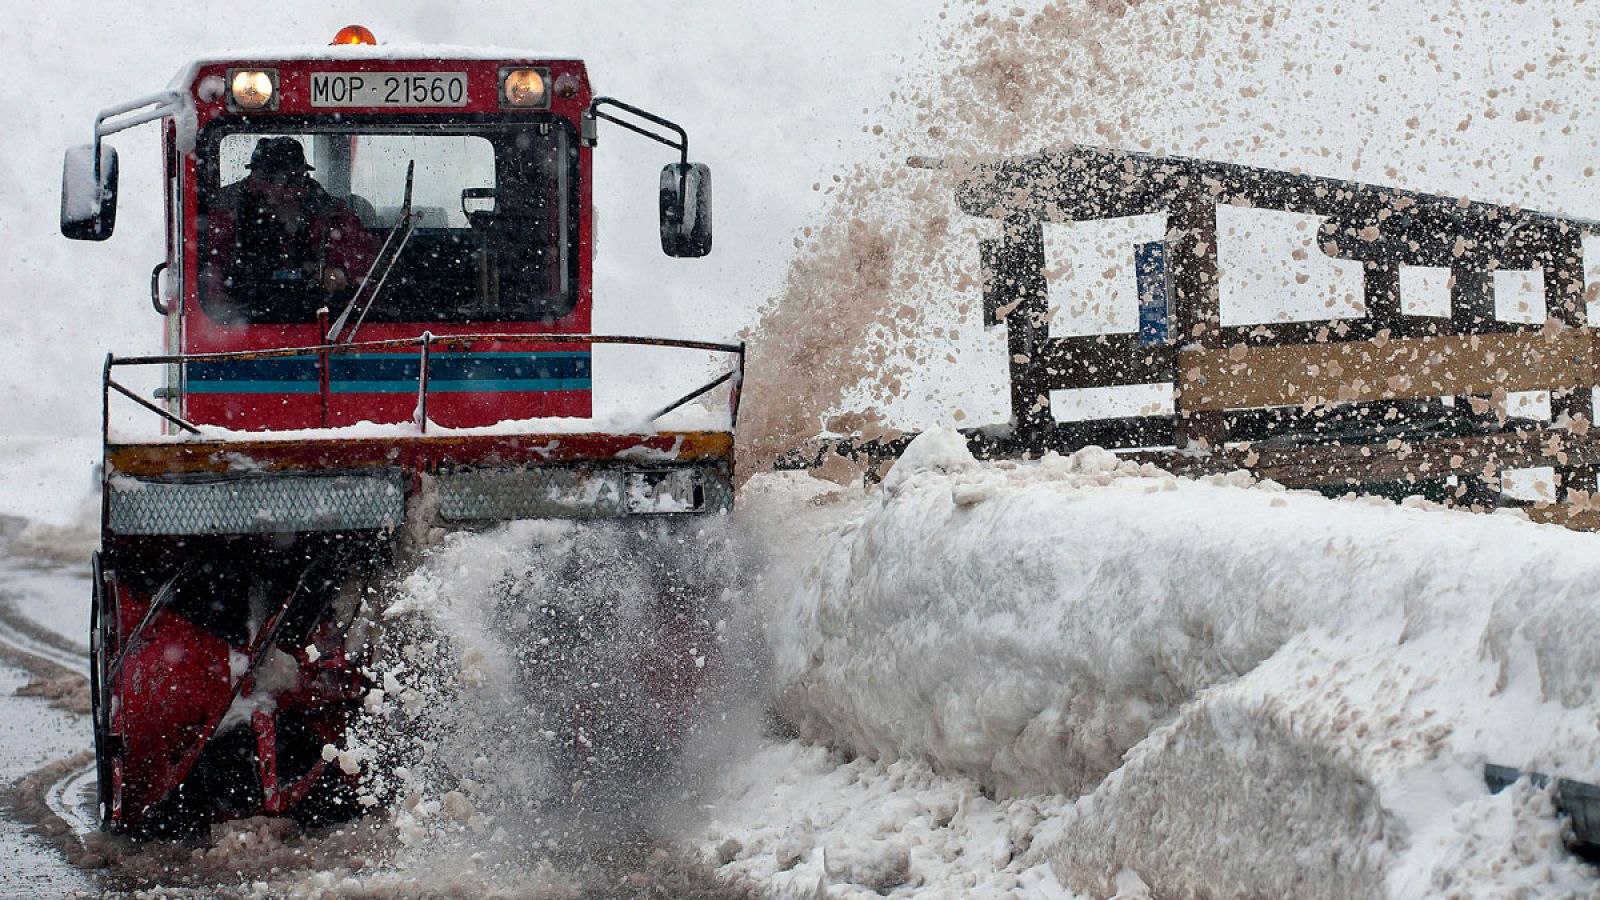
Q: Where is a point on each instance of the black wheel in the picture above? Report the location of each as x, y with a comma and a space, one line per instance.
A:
100, 623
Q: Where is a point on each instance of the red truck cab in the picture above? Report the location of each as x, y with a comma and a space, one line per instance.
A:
458, 187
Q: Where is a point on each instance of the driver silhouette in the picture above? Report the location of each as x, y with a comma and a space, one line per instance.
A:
281, 247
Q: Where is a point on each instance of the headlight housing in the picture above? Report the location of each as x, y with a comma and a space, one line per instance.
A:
525, 88
251, 90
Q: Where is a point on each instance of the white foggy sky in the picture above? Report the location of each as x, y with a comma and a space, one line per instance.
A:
772, 96
776, 97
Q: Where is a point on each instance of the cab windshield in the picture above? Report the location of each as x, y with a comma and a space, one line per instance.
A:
286, 229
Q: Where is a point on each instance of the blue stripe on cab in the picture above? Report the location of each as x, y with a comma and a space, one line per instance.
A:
396, 374
483, 385
287, 369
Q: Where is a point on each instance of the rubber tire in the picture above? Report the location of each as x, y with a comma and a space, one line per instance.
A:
99, 624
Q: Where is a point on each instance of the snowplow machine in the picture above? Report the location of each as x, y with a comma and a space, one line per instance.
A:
377, 304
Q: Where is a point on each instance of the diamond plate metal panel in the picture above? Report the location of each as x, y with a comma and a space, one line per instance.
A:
257, 504
482, 495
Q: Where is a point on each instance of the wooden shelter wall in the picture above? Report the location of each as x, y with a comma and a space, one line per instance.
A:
1294, 372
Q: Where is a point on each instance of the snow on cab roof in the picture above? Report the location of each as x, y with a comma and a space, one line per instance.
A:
304, 52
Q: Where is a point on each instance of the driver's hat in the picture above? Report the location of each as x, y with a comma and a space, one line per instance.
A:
279, 155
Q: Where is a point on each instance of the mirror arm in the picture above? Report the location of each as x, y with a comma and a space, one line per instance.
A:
117, 118
593, 113
591, 134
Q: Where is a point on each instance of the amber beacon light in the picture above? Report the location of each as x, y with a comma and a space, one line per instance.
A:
354, 34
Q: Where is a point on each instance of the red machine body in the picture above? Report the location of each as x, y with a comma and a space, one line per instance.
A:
439, 289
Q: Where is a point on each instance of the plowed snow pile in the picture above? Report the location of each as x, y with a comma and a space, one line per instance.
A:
1251, 691
880, 326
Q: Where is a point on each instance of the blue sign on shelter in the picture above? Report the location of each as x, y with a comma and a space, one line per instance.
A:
1155, 308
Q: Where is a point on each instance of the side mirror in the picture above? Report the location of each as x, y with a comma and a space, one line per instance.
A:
686, 210
88, 206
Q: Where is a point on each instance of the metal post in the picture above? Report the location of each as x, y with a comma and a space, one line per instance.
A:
1197, 314
422, 382
736, 393
323, 378
105, 442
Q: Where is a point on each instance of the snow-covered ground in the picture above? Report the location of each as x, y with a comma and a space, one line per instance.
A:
32, 735
802, 820
1072, 677
47, 478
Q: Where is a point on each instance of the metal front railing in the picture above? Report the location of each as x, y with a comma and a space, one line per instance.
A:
424, 347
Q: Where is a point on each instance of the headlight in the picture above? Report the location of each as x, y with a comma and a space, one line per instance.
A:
525, 88
253, 88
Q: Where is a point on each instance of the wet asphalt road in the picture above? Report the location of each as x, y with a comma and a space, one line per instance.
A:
40, 600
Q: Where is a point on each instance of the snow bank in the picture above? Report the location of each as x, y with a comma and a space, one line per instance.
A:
1250, 689
49, 479
862, 828
50, 492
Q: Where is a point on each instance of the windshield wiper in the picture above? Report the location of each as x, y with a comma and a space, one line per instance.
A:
381, 266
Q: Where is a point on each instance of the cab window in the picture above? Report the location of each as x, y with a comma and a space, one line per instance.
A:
495, 208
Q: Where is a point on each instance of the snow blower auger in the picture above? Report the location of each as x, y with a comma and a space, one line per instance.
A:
439, 209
